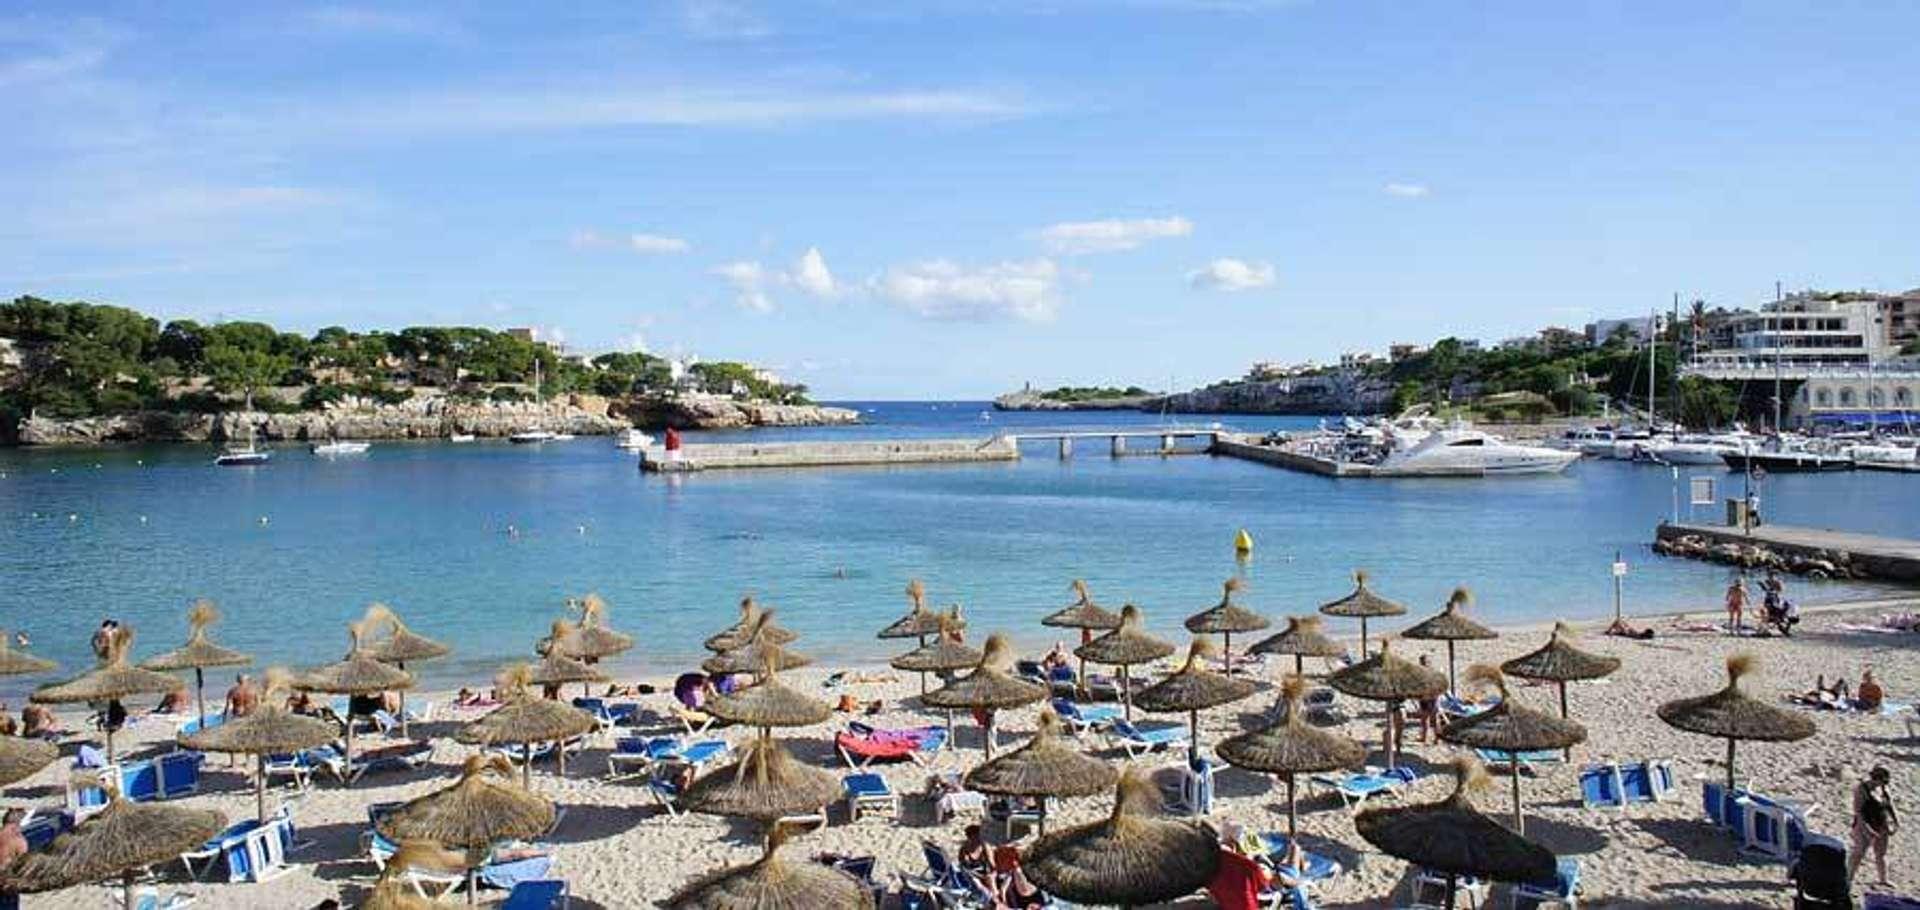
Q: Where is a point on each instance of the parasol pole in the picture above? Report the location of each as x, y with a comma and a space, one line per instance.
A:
1513, 771
1193, 736
1293, 810
1126, 694
1451, 686
403, 702
260, 786
200, 694
923, 673
990, 718
526, 766
1363, 638
346, 773
1563, 713
1730, 742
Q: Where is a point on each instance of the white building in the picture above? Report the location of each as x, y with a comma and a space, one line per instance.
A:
1802, 332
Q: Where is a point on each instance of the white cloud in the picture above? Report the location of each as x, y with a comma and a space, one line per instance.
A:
723, 20
810, 274
657, 244
1405, 190
942, 289
749, 282
634, 341
1111, 235
1228, 274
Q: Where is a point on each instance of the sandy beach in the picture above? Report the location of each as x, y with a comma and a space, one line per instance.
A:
618, 849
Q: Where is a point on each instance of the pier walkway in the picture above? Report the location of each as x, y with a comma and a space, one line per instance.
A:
1887, 558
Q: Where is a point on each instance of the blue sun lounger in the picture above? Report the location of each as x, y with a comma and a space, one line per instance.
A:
1082, 718
1355, 789
1527, 759
1138, 742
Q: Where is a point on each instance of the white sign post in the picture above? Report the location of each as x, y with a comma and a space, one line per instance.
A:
1619, 575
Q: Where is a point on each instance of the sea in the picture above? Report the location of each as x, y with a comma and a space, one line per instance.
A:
481, 544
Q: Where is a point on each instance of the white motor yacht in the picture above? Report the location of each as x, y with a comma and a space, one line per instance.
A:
528, 437
632, 439
340, 447
1464, 452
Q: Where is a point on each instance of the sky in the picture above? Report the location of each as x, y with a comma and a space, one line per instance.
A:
948, 199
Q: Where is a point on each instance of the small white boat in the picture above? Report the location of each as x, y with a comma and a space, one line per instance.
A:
632, 439
239, 458
340, 447
460, 437
531, 437
559, 437
1463, 452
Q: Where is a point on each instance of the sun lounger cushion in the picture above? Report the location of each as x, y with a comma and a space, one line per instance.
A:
873, 749
509, 874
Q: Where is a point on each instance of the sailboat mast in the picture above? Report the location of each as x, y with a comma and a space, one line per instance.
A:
1653, 368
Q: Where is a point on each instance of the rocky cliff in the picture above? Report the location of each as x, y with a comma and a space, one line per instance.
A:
719, 412
1329, 393
419, 418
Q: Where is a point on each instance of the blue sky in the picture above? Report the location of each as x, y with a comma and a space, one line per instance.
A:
950, 198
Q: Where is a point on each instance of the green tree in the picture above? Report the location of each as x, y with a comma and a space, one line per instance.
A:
245, 370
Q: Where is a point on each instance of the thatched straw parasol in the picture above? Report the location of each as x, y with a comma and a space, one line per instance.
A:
766, 784
1452, 837
1363, 605
945, 652
23, 758
526, 719
772, 883
989, 687
1194, 688
270, 730
1048, 765
482, 808
120, 841
1559, 662
1301, 638
1085, 615
1226, 618
1511, 728
400, 645
198, 654
358, 673
19, 663
1291, 747
1451, 625
556, 669
1124, 647
919, 622
591, 638
1731, 715
736, 635
1128, 858
1385, 677
768, 703
755, 652
111, 680
392, 891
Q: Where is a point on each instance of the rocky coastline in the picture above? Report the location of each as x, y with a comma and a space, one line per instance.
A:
425, 417
1332, 393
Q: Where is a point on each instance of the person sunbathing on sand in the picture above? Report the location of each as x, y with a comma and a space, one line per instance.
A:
1833, 698
1623, 629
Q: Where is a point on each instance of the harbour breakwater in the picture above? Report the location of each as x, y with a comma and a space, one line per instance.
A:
1334, 393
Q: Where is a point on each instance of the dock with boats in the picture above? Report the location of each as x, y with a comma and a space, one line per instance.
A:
1799, 549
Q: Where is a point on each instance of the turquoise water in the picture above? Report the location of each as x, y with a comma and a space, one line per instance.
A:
295, 549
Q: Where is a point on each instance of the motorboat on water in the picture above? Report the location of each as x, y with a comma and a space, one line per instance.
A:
1882, 452
340, 447
1461, 451
631, 439
240, 458
1783, 455
1692, 449
531, 437
460, 437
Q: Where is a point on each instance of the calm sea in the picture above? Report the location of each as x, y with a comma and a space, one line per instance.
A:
295, 549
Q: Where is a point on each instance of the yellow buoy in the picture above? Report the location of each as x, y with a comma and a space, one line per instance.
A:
1243, 542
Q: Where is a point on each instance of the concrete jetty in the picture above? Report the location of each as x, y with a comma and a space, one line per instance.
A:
1883, 558
717, 456
1246, 447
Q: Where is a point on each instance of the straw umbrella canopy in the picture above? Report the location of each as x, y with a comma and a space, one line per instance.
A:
482, 808
400, 645
1048, 765
1301, 638
1085, 615
270, 730
755, 652
946, 652
556, 669
526, 719
919, 622
1128, 858
736, 635
1226, 618
772, 883
768, 702
1386, 677
121, 841
1124, 647
21, 758
198, 654
1732, 715
392, 891
1451, 625
591, 638
989, 687
111, 680
1194, 688
1363, 605
1511, 728
1290, 747
766, 784
20, 663
1453, 838
1559, 662
358, 673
